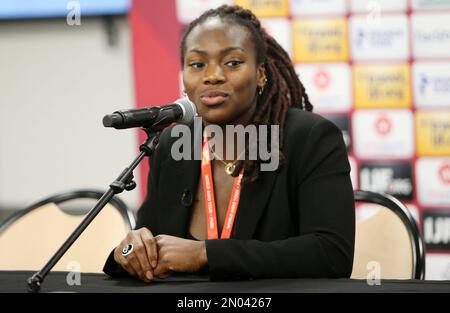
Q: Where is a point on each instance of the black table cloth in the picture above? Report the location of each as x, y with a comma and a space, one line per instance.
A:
15, 281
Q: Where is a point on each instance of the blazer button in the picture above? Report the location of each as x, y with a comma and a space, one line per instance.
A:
186, 198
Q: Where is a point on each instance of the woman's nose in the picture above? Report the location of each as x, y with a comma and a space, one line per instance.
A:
213, 75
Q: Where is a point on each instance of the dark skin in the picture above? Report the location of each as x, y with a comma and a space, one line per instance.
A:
220, 57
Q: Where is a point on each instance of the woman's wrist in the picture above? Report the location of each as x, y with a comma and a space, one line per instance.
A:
202, 256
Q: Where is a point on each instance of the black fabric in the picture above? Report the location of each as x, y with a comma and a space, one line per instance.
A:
294, 222
56, 282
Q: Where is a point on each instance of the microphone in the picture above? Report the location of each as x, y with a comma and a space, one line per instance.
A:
154, 118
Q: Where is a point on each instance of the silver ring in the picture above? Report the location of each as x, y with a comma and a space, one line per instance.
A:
127, 249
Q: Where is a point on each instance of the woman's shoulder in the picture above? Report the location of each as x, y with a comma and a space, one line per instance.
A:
309, 139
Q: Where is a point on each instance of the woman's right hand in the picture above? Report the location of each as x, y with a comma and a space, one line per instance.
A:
144, 256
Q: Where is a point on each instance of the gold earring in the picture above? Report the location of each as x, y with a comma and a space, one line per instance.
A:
261, 89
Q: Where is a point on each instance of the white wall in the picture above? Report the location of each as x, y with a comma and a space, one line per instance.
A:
56, 83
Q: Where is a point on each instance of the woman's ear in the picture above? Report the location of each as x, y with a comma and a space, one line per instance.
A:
261, 75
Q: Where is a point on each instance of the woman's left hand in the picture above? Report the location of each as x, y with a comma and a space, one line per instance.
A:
179, 255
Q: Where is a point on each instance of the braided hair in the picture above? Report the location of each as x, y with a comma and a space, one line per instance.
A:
283, 88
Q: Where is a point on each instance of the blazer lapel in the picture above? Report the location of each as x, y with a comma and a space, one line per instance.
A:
175, 217
253, 201
176, 214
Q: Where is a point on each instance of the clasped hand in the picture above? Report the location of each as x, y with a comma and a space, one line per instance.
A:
159, 256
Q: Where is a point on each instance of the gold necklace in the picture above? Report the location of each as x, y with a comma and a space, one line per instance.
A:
230, 166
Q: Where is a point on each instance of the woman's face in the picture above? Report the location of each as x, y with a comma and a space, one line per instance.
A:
220, 73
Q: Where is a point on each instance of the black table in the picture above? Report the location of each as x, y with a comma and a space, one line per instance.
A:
11, 281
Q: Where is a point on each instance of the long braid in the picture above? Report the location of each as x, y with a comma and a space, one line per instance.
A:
283, 88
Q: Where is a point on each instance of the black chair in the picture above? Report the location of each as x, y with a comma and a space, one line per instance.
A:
391, 238
42, 227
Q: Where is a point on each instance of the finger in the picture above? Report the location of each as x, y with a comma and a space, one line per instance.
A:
159, 270
129, 262
150, 246
159, 241
121, 260
140, 252
136, 265
125, 263
165, 275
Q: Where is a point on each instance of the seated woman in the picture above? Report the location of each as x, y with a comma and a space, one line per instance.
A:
295, 221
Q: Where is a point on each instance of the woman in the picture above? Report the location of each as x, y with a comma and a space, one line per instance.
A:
297, 221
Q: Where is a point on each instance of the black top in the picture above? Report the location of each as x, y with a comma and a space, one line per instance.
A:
298, 221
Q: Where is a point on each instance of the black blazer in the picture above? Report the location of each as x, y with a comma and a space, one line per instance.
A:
298, 221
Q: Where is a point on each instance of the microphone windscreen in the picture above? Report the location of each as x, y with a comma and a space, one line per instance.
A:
111, 120
189, 110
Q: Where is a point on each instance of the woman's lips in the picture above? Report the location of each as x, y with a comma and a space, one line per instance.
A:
213, 99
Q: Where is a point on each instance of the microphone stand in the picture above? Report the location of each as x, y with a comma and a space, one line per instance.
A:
123, 182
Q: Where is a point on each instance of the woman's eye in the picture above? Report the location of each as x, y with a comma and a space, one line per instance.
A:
234, 63
196, 65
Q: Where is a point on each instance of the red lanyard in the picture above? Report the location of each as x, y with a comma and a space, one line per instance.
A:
208, 188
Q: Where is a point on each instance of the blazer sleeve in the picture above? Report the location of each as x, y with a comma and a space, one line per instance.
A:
145, 216
326, 220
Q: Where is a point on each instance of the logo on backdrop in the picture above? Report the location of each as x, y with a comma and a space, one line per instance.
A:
381, 37
383, 134
328, 85
383, 125
444, 173
320, 40
392, 178
382, 86
322, 79
433, 181
424, 81
431, 83
431, 35
433, 133
376, 38
434, 84
436, 229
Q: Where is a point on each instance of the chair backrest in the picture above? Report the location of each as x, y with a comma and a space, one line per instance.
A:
390, 237
30, 237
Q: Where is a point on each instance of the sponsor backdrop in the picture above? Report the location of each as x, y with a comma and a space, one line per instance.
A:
380, 70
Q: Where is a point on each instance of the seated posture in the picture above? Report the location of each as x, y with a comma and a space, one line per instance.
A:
229, 215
